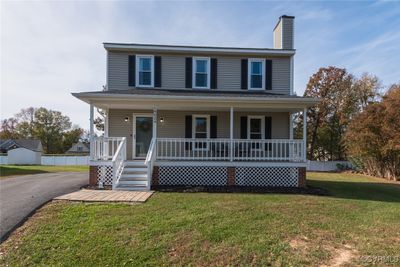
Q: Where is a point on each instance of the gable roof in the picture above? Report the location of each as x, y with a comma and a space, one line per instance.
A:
31, 144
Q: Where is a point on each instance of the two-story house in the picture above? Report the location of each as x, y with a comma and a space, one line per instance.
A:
191, 115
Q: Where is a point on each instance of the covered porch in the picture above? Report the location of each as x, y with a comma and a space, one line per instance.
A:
185, 135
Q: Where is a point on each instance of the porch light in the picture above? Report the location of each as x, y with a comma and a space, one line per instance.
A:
161, 119
126, 119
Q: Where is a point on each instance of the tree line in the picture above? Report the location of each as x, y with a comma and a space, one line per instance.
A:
52, 128
353, 121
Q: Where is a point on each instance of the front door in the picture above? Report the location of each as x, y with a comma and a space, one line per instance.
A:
142, 134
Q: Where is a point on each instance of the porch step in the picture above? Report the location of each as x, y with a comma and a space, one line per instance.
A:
135, 170
133, 177
137, 183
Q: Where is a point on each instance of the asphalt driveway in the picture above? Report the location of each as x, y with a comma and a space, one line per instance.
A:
21, 195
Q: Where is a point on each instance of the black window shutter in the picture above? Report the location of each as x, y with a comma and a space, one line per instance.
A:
213, 73
157, 71
188, 72
243, 127
188, 131
213, 127
268, 127
131, 70
268, 74
244, 74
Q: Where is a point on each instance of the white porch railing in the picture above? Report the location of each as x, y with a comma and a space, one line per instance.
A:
149, 162
104, 148
233, 150
118, 162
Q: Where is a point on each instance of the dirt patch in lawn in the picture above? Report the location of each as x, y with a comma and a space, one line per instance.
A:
339, 256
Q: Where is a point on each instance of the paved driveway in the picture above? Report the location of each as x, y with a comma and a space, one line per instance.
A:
21, 195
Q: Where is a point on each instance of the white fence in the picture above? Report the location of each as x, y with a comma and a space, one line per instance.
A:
325, 166
3, 160
65, 160
56, 160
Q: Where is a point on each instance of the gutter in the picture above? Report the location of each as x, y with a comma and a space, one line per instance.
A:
282, 100
186, 49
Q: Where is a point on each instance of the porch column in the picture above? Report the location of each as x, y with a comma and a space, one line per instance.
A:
154, 122
291, 126
91, 127
231, 135
305, 134
106, 123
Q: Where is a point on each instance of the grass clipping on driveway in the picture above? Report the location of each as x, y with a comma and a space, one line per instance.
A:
361, 218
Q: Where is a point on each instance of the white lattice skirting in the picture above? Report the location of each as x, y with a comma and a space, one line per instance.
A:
218, 176
193, 175
267, 176
105, 175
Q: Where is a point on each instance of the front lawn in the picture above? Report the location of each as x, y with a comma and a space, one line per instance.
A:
12, 170
360, 219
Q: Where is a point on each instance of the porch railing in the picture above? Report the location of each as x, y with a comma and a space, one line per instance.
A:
118, 162
233, 150
105, 148
149, 161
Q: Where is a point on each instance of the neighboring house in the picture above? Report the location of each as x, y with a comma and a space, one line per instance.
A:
79, 148
191, 115
22, 151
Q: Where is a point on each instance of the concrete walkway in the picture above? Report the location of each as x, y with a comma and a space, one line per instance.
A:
107, 196
21, 195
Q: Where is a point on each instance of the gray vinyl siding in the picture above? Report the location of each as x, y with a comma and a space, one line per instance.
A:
173, 72
288, 33
174, 124
117, 64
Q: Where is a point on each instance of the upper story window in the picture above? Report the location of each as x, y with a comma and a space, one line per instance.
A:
256, 71
144, 71
201, 72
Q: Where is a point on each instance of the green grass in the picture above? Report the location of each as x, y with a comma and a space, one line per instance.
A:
12, 170
361, 216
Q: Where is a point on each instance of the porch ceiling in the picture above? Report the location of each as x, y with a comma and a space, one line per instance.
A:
220, 102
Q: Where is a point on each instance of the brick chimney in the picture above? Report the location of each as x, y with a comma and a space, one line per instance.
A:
284, 33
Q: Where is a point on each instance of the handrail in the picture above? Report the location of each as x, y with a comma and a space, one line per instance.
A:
118, 162
149, 162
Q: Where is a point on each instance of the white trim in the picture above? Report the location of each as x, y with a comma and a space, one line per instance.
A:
262, 118
106, 123
229, 50
194, 116
194, 69
230, 99
137, 71
150, 115
290, 126
249, 61
230, 164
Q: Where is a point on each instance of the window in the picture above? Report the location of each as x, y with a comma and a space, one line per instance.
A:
80, 149
201, 72
145, 71
255, 127
256, 70
201, 130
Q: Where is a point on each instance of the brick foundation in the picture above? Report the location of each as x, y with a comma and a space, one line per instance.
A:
231, 172
155, 178
92, 175
302, 177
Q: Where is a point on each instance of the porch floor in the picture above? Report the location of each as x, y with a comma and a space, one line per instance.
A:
86, 195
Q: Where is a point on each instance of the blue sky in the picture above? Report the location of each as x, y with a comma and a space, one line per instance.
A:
50, 49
